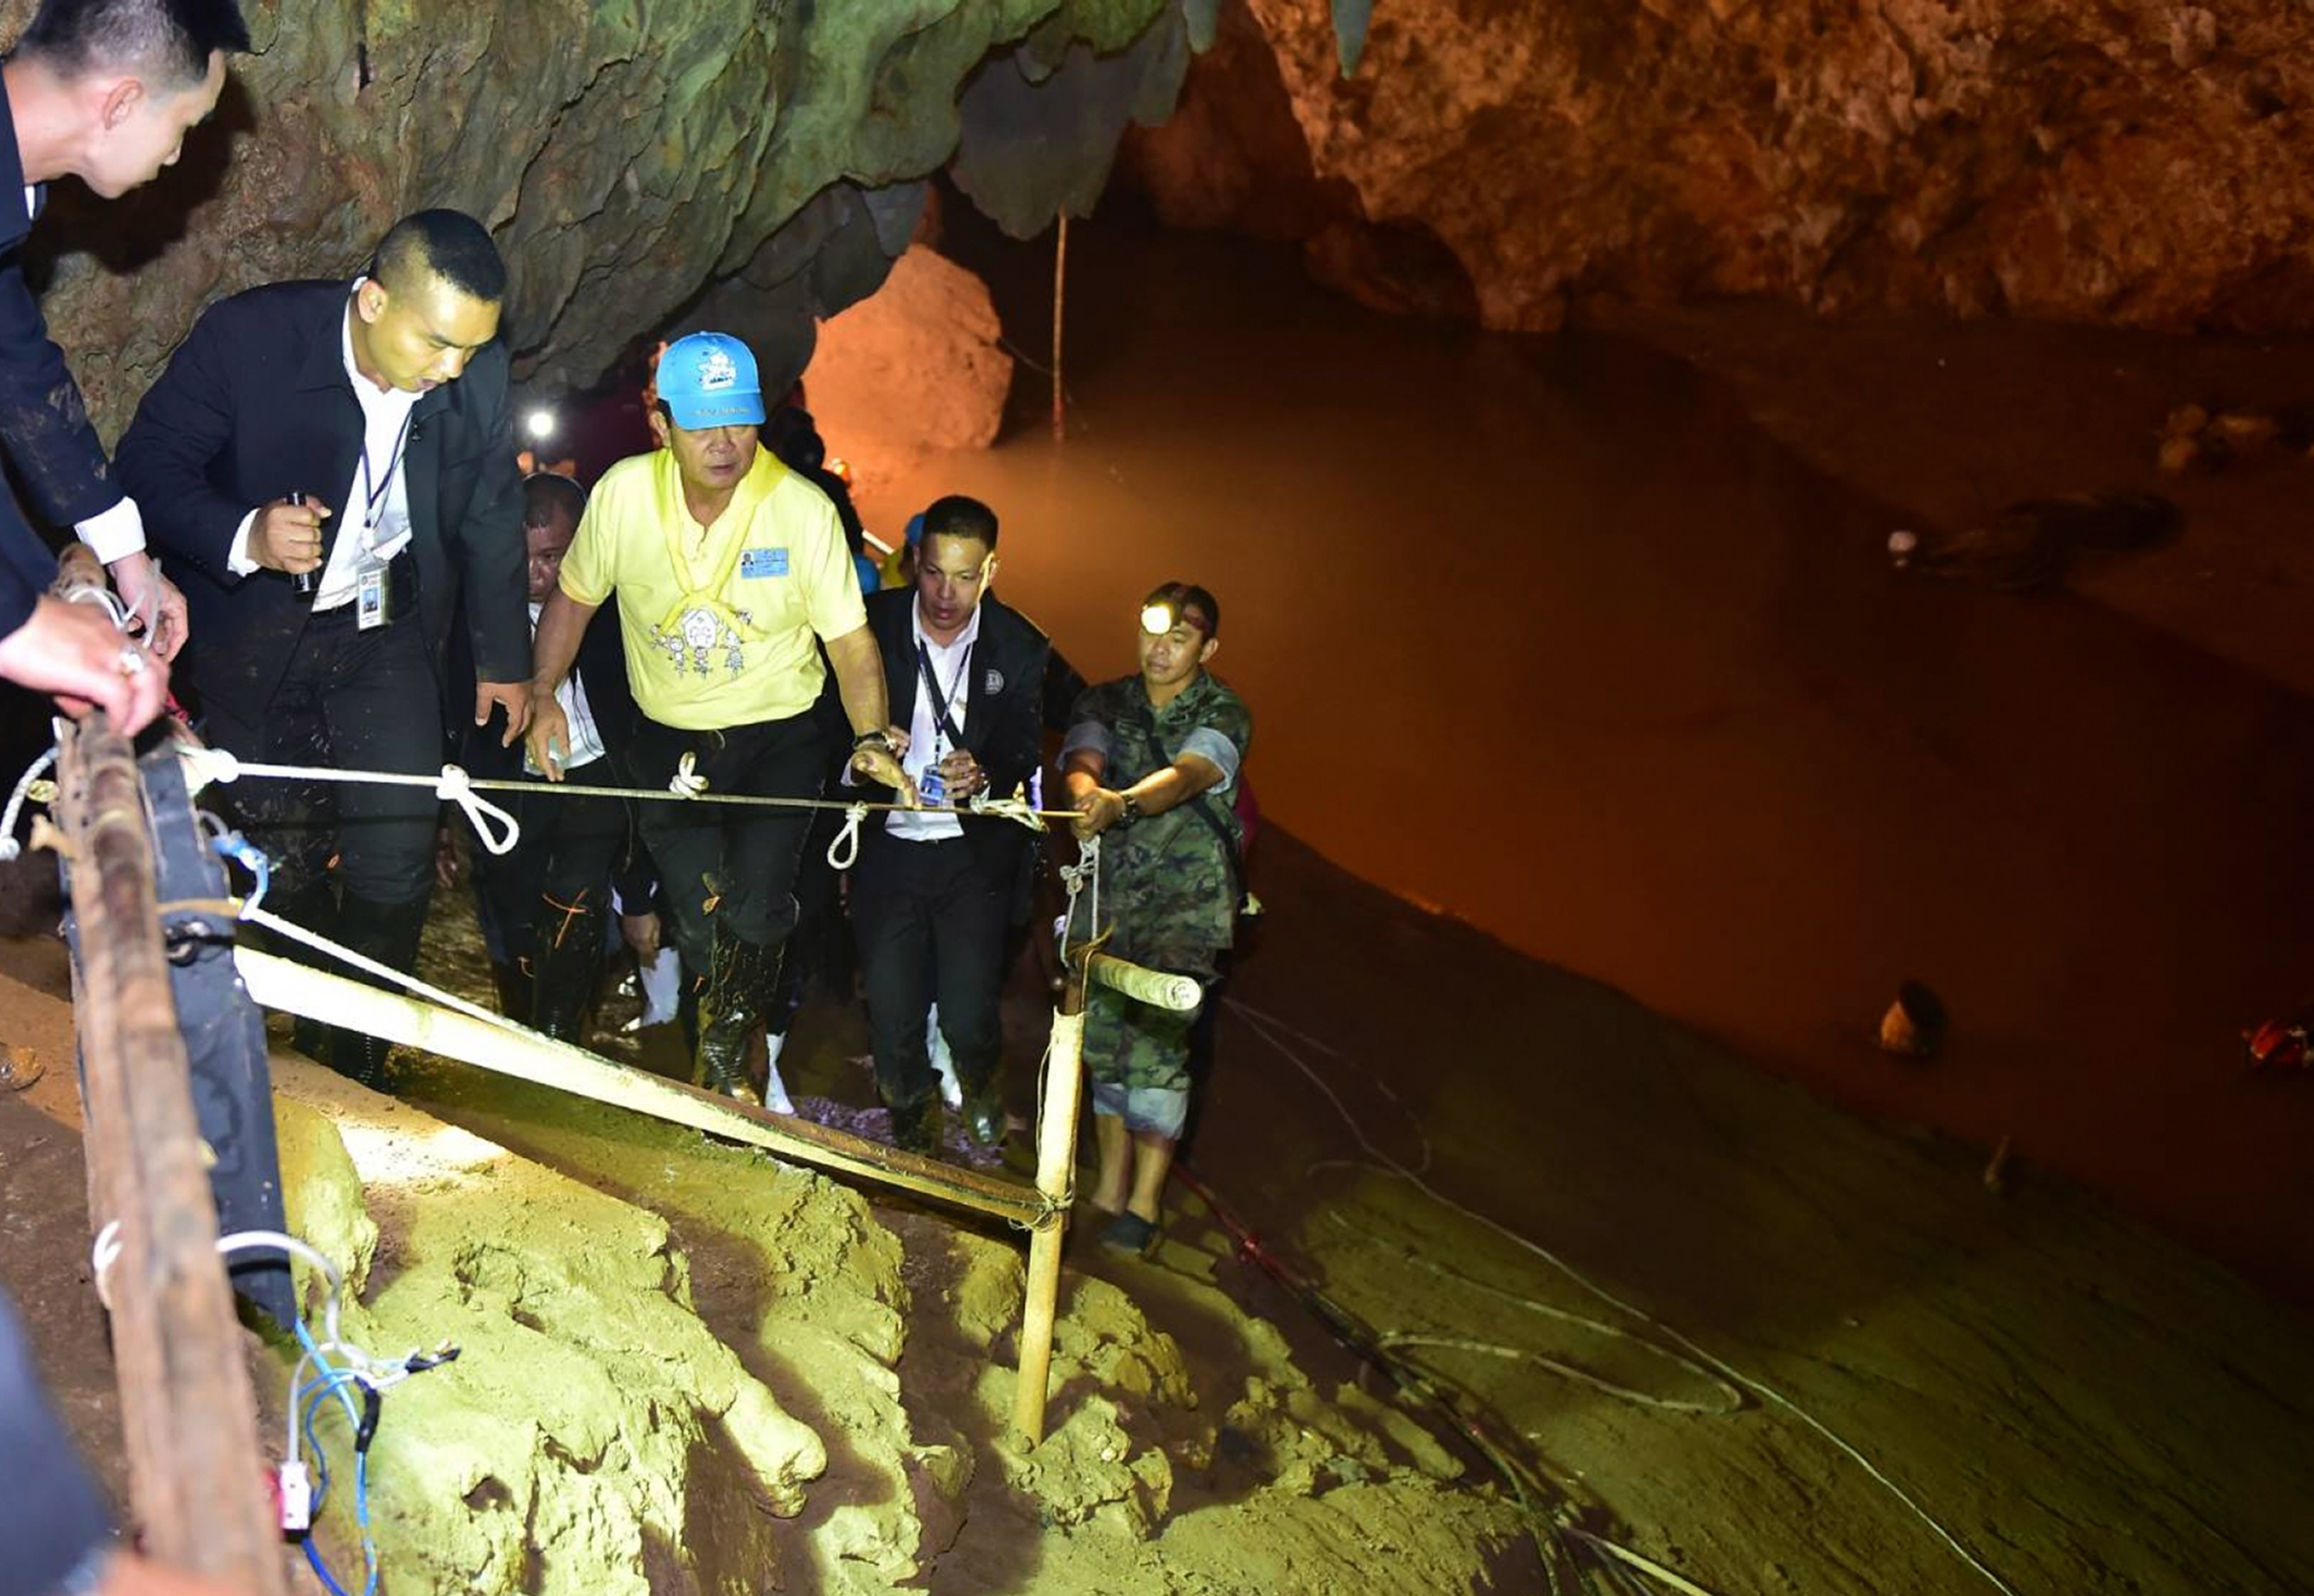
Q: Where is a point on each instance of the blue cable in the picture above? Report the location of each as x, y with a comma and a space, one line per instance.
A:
239, 849
335, 1382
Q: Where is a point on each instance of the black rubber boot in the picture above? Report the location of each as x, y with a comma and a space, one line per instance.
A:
983, 1111
738, 990
387, 933
513, 986
915, 1128
570, 953
314, 906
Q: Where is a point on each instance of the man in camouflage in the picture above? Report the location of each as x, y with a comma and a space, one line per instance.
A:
1151, 762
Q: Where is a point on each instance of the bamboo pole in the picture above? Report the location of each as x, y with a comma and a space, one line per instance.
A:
1056, 1158
1060, 300
493, 1042
187, 1410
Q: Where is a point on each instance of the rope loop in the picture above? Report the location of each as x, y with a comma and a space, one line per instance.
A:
456, 786
688, 782
845, 847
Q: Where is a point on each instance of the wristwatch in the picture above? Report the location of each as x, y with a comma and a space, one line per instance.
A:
879, 738
1128, 809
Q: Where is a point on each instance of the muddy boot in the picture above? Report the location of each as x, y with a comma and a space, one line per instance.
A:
316, 908
564, 968
915, 1127
983, 1111
732, 1007
388, 934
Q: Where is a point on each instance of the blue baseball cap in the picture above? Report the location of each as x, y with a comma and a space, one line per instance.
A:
708, 379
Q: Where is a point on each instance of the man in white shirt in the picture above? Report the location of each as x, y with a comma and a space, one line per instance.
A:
546, 899
934, 893
104, 90
325, 468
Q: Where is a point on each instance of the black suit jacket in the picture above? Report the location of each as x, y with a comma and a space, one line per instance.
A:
1019, 687
256, 404
601, 668
56, 454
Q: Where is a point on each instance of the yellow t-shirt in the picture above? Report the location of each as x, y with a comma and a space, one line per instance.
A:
718, 621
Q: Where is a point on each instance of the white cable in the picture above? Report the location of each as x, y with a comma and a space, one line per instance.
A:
10, 849
1262, 1026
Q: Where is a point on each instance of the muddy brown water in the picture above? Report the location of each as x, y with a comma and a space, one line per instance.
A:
1547, 634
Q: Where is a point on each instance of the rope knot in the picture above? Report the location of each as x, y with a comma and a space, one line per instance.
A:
687, 782
846, 848
1014, 808
203, 766
456, 786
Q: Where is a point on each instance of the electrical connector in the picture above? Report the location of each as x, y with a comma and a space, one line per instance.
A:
294, 1490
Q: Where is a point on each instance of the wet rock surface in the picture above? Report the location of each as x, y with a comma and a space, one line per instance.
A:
2122, 164
627, 157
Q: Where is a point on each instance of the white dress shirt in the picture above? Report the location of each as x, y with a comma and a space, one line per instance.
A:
927, 745
373, 509
586, 737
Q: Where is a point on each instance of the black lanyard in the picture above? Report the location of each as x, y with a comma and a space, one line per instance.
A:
943, 696
374, 491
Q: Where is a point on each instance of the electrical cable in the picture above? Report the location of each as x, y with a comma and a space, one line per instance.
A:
1275, 1032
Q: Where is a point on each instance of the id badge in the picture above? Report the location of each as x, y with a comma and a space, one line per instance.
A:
931, 788
371, 607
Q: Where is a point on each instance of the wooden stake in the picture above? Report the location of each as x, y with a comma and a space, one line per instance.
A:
1056, 1158
1060, 299
189, 1416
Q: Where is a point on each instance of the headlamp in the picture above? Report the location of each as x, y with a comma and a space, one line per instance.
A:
539, 423
1157, 619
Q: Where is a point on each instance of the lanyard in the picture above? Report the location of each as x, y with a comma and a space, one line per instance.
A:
944, 698
375, 489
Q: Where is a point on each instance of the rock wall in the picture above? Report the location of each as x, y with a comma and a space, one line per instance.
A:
2133, 162
628, 154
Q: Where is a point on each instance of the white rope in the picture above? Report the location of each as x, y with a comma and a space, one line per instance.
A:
458, 788
846, 848
687, 782
10, 849
1085, 874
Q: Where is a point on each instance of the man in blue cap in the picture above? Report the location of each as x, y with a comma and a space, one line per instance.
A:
730, 571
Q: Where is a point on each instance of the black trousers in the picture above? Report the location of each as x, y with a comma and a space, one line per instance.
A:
930, 922
564, 857
350, 700
727, 863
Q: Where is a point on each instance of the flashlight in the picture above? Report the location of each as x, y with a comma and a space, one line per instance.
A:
539, 423
1157, 619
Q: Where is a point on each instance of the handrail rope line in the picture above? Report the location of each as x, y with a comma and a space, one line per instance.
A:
1269, 1028
1034, 1204
213, 765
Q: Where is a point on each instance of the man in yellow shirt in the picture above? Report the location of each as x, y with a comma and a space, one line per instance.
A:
730, 571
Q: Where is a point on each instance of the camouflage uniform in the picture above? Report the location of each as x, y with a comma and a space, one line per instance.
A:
1170, 888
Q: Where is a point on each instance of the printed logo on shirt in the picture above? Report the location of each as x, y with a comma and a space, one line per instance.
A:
764, 562
992, 683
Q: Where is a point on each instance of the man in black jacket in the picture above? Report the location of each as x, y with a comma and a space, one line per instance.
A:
104, 90
933, 894
324, 465
548, 896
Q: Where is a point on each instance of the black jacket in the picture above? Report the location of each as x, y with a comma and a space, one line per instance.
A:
601, 668
256, 404
55, 452
1019, 687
